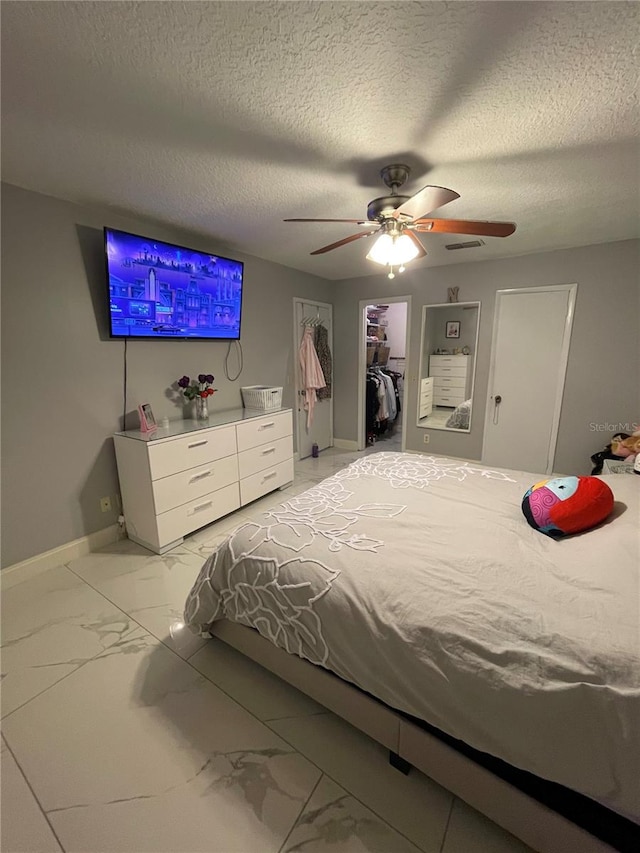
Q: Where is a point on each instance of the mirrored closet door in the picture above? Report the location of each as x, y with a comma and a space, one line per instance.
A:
449, 346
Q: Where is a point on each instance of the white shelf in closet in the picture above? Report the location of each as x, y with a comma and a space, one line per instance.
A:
184, 476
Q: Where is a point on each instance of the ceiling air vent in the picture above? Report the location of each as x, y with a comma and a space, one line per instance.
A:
470, 244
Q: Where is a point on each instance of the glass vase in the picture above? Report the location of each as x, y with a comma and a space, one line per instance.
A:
202, 409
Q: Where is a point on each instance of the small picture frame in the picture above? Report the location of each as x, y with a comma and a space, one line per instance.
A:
453, 329
147, 419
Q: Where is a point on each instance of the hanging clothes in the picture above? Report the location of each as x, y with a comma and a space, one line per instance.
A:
382, 402
311, 372
391, 396
372, 407
321, 341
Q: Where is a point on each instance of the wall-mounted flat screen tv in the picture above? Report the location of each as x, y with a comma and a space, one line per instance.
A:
159, 290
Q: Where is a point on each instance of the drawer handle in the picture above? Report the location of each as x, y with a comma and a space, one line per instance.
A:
200, 476
266, 426
199, 507
268, 450
199, 443
269, 476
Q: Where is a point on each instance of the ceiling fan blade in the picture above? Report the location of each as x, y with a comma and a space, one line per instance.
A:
424, 201
342, 242
421, 249
465, 226
354, 221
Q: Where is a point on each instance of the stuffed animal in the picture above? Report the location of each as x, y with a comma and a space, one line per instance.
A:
627, 448
567, 505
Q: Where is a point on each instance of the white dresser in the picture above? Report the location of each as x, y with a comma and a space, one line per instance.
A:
451, 376
425, 402
184, 476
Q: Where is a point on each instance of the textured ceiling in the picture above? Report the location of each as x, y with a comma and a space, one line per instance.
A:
226, 118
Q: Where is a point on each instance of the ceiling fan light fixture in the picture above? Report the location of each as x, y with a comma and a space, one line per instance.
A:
393, 250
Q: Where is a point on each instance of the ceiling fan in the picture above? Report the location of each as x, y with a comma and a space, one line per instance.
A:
398, 218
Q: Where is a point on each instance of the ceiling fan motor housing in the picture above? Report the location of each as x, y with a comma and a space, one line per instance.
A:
385, 205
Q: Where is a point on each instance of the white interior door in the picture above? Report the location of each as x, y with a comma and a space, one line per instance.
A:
321, 429
532, 330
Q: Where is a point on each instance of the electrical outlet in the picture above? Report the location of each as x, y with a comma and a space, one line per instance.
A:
426, 437
105, 504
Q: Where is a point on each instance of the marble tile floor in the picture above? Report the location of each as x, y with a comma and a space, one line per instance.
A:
123, 733
438, 418
389, 442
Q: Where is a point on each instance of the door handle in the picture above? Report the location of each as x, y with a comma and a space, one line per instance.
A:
496, 407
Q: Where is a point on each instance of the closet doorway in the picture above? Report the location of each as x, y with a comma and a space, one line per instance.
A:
309, 313
529, 353
382, 367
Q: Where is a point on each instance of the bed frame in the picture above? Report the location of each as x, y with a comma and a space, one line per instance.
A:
409, 744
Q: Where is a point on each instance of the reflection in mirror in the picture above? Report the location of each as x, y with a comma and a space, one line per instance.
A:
448, 365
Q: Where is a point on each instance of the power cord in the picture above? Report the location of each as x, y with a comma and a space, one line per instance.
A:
240, 361
124, 402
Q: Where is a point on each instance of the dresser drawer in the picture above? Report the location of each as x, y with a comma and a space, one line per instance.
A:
254, 487
265, 456
425, 408
189, 451
426, 384
448, 361
177, 522
256, 431
450, 382
448, 399
437, 372
178, 489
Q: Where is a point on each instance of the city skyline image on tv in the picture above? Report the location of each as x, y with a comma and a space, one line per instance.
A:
161, 290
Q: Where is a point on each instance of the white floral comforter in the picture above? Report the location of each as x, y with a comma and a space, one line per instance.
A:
419, 580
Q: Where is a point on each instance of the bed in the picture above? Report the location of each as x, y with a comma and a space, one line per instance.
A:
460, 417
417, 580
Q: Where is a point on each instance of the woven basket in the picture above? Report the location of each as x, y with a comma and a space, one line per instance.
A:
261, 397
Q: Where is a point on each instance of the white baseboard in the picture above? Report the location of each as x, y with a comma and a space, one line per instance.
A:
345, 444
26, 569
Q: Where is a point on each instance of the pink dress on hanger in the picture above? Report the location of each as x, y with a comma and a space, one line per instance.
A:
311, 371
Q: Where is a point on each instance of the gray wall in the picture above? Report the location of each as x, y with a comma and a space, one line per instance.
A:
437, 328
62, 388
603, 373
